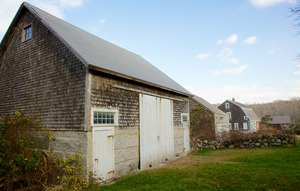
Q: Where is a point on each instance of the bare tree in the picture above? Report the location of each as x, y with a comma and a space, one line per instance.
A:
296, 13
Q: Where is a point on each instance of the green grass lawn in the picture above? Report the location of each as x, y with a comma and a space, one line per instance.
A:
233, 169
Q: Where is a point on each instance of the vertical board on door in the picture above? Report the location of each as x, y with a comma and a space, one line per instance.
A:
156, 131
103, 152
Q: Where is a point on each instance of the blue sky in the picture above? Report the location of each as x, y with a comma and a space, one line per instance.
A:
216, 49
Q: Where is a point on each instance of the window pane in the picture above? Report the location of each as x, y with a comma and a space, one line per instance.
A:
112, 121
95, 115
27, 33
104, 121
99, 115
95, 121
99, 121
104, 115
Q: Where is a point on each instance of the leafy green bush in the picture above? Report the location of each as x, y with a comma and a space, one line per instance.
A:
19, 158
24, 165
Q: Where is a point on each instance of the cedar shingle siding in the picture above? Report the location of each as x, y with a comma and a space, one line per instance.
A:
103, 95
43, 77
237, 114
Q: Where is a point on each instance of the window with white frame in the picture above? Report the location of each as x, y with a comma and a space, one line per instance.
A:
102, 117
226, 105
184, 118
229, 113
245, 126
230, 126
236, 126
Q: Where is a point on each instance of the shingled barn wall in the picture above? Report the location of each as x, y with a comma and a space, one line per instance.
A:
105, 95
42, 77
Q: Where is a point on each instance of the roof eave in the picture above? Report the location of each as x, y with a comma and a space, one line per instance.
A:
136, 80
57, 35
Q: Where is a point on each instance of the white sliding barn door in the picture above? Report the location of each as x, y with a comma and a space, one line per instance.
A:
156, 131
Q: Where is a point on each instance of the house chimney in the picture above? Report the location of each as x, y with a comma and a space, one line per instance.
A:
233, 99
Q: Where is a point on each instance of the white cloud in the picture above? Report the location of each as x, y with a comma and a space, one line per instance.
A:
8, 9
70, 3
297, 72
237, 70
234, 71
251, 40
298, 65
230, 40
234, 61
267, 3
216, 73
247, 94
204, 55
225, 53
102, 21
271, 52
225, 56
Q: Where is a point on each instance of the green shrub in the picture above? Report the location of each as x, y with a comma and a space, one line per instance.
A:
24, 165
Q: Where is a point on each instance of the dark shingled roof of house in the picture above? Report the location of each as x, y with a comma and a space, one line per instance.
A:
280, 120
101, 55
208, 106
248, 111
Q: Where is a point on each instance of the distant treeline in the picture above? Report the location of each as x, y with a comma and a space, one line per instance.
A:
290, 107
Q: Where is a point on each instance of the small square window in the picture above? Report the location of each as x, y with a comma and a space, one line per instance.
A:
227, 105
27, 31
184, 118
245, 117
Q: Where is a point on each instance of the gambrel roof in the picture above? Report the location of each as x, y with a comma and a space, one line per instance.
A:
248, 111
208, 106
98, 54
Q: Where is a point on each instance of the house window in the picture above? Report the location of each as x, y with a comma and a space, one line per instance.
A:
27, 33
227, 105
230, 126
229, 113
184, 117
245, 126
104, 118
245, 117
236, 126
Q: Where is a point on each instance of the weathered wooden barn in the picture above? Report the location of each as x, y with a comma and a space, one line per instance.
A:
119, 110
241, 117
214, 119
280, 122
